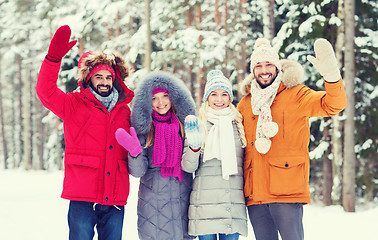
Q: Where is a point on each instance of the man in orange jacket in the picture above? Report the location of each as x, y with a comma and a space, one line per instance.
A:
276, 113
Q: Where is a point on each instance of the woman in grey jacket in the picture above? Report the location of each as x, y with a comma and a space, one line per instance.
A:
217, 205
160, 106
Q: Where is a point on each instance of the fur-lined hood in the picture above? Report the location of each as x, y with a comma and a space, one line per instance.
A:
292, 74
181, 99
90, 59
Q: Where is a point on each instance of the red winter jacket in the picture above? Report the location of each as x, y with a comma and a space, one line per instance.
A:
95, 164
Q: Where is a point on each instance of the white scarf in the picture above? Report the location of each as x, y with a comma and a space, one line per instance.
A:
261, 100
220, 142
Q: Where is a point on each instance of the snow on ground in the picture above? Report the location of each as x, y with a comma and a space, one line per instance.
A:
31, 208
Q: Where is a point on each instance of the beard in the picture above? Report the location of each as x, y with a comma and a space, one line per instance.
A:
263, 83
100, 89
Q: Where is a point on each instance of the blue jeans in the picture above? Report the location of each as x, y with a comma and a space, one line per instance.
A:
270, 219
84, 216
234, 236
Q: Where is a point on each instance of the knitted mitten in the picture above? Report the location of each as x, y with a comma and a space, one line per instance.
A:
325, 61
60, 45
129, 141
193, 132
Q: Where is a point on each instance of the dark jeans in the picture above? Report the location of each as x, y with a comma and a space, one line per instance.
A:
84, 216
270, 219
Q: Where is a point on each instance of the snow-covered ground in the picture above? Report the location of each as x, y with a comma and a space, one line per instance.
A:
31, 208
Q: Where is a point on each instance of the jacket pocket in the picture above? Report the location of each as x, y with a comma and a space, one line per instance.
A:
81, 176
122, 185
287, 177
248, 182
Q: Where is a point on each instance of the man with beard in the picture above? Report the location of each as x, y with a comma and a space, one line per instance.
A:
96, 178
276, 111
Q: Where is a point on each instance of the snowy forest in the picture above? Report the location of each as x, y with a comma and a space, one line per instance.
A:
190, 38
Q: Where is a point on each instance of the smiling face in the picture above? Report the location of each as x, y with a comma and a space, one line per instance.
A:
219, 99
265, 73
102, 82
161, 103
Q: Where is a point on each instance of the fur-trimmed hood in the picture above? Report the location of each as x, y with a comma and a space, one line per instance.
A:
292, 74
90, 59
181, 99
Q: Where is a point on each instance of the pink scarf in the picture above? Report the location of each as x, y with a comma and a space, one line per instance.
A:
167, 145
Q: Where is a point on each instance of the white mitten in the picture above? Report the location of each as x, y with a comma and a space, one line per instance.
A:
325, 61
263, 145
193, 132
270, 129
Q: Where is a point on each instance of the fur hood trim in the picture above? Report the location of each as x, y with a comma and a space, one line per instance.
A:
292, 75
90, 59
181, 99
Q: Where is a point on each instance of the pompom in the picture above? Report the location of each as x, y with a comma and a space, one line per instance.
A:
263, 145
270, 129
214, 73
261, 41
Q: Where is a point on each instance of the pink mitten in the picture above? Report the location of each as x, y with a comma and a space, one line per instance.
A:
129, 141
60, 45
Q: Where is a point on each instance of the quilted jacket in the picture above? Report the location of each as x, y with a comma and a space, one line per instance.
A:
282, 174
162, 201
216, 205
95, 164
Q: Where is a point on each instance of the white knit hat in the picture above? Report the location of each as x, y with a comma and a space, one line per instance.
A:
263, 52
216, 80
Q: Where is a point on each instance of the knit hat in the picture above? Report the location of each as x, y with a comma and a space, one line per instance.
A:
100, 67
158, 90
216, 80
263, 52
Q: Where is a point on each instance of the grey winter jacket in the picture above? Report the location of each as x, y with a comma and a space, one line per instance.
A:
162, 201
216, 205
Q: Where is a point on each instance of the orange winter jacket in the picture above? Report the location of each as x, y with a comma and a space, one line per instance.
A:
282, 174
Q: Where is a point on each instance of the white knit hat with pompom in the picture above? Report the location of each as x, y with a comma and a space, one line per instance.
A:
263, 52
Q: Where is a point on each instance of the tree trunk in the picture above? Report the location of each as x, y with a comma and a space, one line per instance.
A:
268, 19
81, 46
200, 81
108, 31
20, 144
226, 53
217, 17
327, 169
40, 134
337, 124
3, 135
59, 148
349, 174
190, 75
147, 59
14, 128
25, 99
117, 25
241, 56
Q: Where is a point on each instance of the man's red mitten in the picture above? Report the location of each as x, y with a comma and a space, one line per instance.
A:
60, 45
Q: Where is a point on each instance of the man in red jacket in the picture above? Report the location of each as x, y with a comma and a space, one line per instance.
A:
96, 179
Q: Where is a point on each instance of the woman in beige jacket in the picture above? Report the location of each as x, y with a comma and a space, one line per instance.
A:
217, 205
